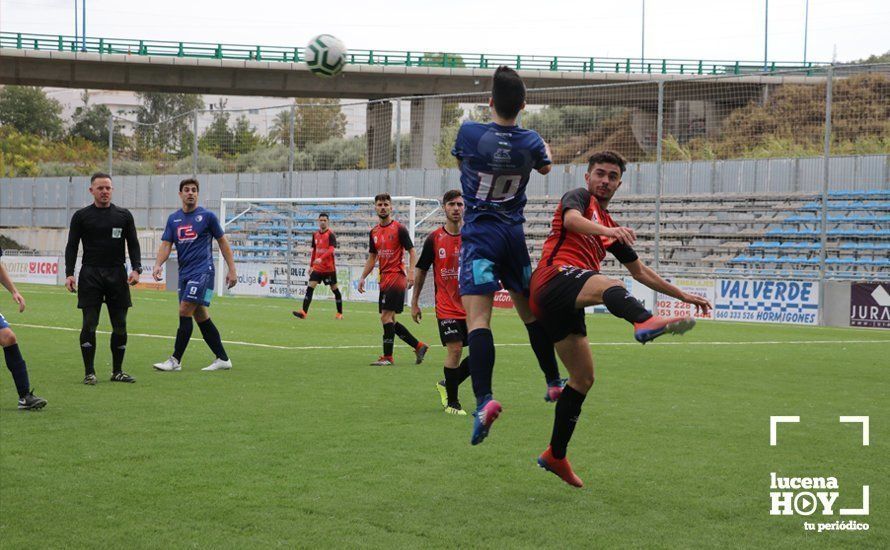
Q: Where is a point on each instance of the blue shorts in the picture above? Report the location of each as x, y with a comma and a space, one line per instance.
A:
3, 323
492, 254
197, 289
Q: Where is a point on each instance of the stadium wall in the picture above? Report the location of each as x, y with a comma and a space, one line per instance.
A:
49, 202
748, 300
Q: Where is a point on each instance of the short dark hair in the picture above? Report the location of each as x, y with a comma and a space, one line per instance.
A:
508, 92
450, 196
382, 197
607, 157
323, 215
98, 176
189, 181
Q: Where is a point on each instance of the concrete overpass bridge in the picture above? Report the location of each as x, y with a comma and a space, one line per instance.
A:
200, 68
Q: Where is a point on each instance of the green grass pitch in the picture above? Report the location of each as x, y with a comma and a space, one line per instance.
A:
302, 444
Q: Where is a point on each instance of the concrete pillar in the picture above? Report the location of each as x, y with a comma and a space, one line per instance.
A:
379, 116
426, 130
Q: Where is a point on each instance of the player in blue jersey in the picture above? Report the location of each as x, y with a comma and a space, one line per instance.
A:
496, 161
11, 353
192, 229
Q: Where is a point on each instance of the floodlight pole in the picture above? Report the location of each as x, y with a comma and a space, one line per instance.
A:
806, 26
642, 39
826, 167
83, 21
765, 35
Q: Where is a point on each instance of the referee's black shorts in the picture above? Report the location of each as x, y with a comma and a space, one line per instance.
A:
98, 285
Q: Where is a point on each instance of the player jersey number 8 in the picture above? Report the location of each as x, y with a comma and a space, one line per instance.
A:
498, 187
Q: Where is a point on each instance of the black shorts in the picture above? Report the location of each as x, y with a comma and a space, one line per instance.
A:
329, 279
392, 299
453, 330
98, 285
554, 290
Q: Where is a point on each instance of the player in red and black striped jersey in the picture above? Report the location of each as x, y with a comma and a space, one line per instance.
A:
567, 280
441, 251
387, 243
322, 267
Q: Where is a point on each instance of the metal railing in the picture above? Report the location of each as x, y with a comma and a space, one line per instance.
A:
205, 50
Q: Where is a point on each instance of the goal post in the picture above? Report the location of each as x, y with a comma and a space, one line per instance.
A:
271, 242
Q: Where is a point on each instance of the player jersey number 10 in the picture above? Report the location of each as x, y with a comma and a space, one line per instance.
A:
498, 187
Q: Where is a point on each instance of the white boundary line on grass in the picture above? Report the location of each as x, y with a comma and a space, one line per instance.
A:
596, 344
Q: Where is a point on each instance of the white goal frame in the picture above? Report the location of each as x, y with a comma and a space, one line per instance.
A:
413, 222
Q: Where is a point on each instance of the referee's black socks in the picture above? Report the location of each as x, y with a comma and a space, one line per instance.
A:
543, 349
621, 303
118, 349
568, 408
88, 350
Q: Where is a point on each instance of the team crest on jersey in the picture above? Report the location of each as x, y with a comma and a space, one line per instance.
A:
442, 253
116, 232
185, 233
199, 217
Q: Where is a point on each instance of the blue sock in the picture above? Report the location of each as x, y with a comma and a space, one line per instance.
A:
16, 365
481, 362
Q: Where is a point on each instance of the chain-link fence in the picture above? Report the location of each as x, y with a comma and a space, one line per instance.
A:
785, 174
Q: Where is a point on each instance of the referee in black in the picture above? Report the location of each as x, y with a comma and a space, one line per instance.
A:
103, 228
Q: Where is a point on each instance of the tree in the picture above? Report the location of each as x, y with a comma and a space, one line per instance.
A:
218, 140
280, 132
441, 59
245, 136
91, 123
164, 122
30, 111
318, 120
883, 58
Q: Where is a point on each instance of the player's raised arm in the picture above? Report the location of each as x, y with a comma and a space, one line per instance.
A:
545, 164
576, 223
647, 276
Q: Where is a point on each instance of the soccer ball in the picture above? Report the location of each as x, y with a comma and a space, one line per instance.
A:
325, 55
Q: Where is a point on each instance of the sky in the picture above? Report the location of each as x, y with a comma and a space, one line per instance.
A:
678, 29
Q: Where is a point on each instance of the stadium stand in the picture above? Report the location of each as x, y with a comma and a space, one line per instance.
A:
713, 234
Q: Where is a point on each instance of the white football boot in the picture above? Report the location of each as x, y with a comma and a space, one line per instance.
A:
219, 364
171, 364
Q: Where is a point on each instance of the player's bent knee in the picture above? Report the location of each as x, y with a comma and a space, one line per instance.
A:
592, 292
7, 338
201, 314
582, 382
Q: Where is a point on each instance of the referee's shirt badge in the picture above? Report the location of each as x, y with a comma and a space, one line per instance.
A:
116, 232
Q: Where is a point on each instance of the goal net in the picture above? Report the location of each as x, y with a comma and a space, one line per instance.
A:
271, 240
